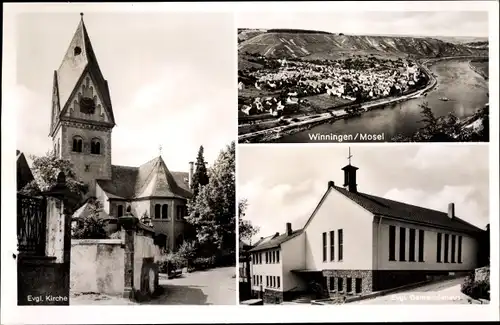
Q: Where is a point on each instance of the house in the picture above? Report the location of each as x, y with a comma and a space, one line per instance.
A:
82, 121
356, 243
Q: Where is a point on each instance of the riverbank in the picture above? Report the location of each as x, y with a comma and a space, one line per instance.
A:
477, 70
293, 127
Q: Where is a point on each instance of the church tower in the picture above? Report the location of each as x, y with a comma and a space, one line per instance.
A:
82, 116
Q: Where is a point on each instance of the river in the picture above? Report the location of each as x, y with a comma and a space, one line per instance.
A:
466, 90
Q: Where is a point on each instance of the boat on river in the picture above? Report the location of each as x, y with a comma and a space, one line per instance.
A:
444, 99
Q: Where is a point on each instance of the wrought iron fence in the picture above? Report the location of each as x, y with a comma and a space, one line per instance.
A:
31, 225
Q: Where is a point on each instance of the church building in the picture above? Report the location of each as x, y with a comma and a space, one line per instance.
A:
82, 122
356, 243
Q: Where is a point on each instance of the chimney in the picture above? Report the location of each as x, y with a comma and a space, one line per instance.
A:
350, 178
451, 210
288, 228
191, 171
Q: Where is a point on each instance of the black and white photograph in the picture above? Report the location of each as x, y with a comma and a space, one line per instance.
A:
125, 158
350, 226
363, 76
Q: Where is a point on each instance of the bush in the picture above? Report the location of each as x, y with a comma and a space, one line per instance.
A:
476, 289
203, 263
170, 262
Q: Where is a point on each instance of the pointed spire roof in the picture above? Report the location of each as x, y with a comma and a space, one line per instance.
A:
80, 58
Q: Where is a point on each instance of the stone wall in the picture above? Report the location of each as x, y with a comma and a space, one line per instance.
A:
146, 253
334, 275
97, 265
273, 297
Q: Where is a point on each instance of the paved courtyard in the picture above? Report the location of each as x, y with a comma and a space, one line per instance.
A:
211, 287
444, 293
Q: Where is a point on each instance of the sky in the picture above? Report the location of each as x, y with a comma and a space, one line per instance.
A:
416, 23
171, 79
285, 183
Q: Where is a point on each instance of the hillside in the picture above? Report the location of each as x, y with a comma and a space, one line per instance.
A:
324, 45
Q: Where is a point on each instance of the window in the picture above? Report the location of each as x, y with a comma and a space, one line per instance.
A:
332, 245
392, 243
278, 284
341, 284
120, 211
266, 257
332, 284
411, 254
453, 239
180, 212
95, 147
341, 244
324, 247
77, 144
157, 211
438, 252
260, 279
267, 280
459, 249
446, 244
402, 243
349, 285
274, 256
358, 285
277, 256
164, 211
77, 51
420, 245
254, 283
274, 282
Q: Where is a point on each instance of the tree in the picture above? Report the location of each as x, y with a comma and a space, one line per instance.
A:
200, 176
45, 170
246, 229
187, 251
91, 226
213, 212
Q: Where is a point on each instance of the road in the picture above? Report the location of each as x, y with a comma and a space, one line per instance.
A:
212, 287
442, 293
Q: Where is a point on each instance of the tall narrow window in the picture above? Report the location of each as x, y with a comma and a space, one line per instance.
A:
446, 245
438, 252
164, 211
77, 144
392, 243
279, 284
332, 245
341, 284
277, 256
358, 285
402, 244
421, 245
266, 259
120, 211
95, 147
157, 211
411, 254
260, 279
267, 280
274, 256
341, 244
324, 247
453, 239
459, 249
349, 285
332, 284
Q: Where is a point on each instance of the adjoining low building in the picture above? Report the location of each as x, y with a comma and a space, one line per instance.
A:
356, 243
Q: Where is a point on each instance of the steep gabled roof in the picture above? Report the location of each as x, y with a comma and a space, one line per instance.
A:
24, 173
274, 241
73, 67
401, 211
150, 179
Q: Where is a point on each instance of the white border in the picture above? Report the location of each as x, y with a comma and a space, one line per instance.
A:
11, 313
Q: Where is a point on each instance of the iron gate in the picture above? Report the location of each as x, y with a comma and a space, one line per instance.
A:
31, 225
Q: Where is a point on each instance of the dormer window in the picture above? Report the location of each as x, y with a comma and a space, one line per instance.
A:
95, 147
77, 51
77, 144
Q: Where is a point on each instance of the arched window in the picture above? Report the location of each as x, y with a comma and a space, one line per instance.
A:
157, 211
164, 211
95, 147
120, 211
77, 144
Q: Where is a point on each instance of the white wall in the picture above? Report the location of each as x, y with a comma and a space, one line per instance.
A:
294, 258
267, 269
339, 212
381, 260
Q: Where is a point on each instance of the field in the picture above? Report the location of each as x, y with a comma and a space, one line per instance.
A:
324, 102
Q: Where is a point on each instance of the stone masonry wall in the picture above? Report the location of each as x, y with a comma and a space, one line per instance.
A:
273, 297
334, 275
